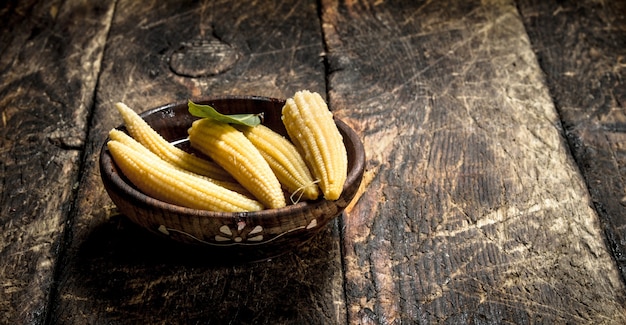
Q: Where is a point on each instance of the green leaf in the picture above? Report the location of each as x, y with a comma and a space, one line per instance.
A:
208, 111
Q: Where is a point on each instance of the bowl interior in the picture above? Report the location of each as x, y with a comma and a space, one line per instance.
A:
173, 120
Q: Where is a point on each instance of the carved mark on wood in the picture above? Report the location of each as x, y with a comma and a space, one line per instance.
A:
203, 58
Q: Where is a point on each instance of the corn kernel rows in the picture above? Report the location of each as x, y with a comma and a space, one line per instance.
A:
230, 149
255, 161
143, 133
310, 125
162, 181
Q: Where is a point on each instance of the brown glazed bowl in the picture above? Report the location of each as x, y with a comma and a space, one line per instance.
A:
248, 236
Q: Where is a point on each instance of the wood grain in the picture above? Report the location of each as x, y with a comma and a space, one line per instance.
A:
494, 138
474, 211
113, 272
586, 75
43, 46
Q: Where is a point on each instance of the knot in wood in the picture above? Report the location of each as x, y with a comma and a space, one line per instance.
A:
203, 58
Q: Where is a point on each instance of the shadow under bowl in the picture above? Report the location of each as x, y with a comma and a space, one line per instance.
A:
244, 236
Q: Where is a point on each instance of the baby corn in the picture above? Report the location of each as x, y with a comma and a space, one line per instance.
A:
143, 133
285, 161
235, 153
160, 180
310, 125
126, 139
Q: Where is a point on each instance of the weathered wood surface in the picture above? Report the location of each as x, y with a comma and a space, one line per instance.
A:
49, 61
586, 74
112, 272
472, 208
475, 211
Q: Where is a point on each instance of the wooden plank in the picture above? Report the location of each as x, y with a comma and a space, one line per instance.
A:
171, 51
581, 46
50, 53
473, 209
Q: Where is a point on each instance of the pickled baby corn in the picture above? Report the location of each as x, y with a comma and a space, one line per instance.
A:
144, 134
126, 139
160, 180
285, 160
229, 148
310, 126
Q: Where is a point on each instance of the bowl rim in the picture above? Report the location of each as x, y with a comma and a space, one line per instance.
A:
114, 176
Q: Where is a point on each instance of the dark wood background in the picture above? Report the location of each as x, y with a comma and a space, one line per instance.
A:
494, 189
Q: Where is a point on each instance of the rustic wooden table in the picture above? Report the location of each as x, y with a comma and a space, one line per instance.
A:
495, 184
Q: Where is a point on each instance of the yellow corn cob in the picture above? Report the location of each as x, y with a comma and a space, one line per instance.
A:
285, 161
143, 133
234, 152
160, 180
126, 139
310, 125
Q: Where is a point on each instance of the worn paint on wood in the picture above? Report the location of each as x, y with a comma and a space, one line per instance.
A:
474, 211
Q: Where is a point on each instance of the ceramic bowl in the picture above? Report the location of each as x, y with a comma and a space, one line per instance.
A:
249, 235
